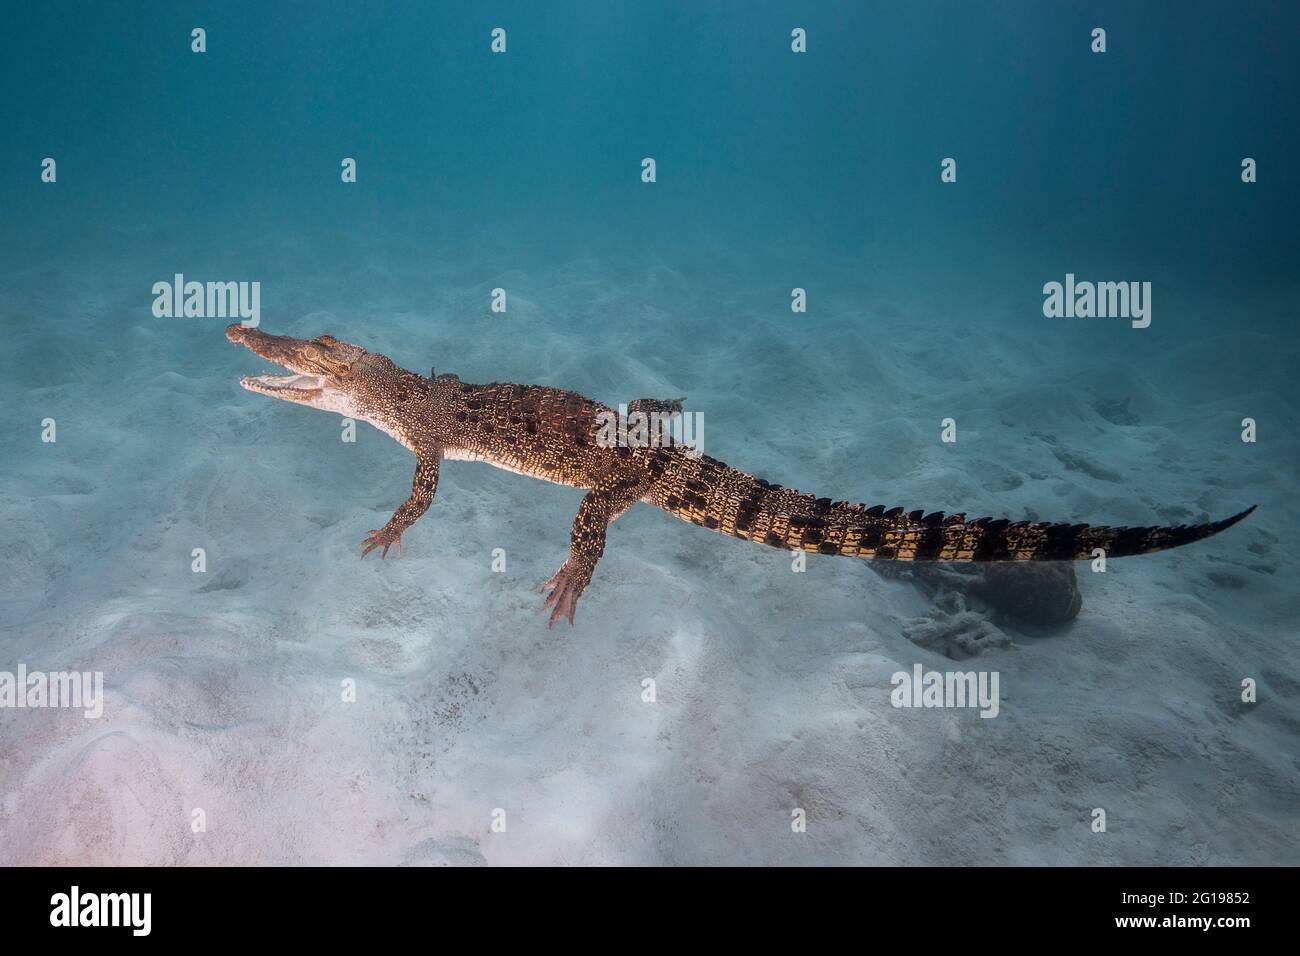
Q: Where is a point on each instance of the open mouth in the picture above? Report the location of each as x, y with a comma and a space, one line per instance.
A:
303, 386
300, 386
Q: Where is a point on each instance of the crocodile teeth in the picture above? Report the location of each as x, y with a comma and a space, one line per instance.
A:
281, 383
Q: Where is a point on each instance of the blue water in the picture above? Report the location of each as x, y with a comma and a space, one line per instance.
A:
522, 171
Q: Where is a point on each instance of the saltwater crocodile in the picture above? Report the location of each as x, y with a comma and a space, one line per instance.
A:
556, 436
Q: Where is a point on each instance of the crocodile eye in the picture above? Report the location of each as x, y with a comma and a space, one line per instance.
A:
326, 362
326, 339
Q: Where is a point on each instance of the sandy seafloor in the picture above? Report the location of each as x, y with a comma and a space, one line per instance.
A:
223, 688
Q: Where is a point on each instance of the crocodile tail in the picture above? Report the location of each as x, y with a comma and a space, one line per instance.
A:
705, 492
916, 536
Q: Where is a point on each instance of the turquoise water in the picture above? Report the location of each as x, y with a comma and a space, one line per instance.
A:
775, 171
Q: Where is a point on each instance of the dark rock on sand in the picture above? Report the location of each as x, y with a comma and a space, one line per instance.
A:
1040, 594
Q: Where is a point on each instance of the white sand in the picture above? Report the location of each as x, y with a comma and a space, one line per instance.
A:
224, 688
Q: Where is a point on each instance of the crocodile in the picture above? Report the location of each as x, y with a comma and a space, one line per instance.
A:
556, 435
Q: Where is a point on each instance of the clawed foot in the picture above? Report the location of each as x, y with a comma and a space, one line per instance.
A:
567, 585
384, 537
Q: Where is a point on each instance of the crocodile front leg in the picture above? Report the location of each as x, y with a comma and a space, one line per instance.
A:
423, 487
598, 510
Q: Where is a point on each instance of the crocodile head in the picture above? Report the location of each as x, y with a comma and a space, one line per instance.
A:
327, 374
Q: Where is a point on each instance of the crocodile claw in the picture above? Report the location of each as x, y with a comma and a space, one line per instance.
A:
383, 537
567, 585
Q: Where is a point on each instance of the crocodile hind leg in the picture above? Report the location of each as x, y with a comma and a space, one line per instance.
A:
667, 406
659, 417
598, 510
423, 487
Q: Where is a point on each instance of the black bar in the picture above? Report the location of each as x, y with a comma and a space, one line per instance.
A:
214, 906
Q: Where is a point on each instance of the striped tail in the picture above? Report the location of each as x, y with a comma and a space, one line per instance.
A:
708, 493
